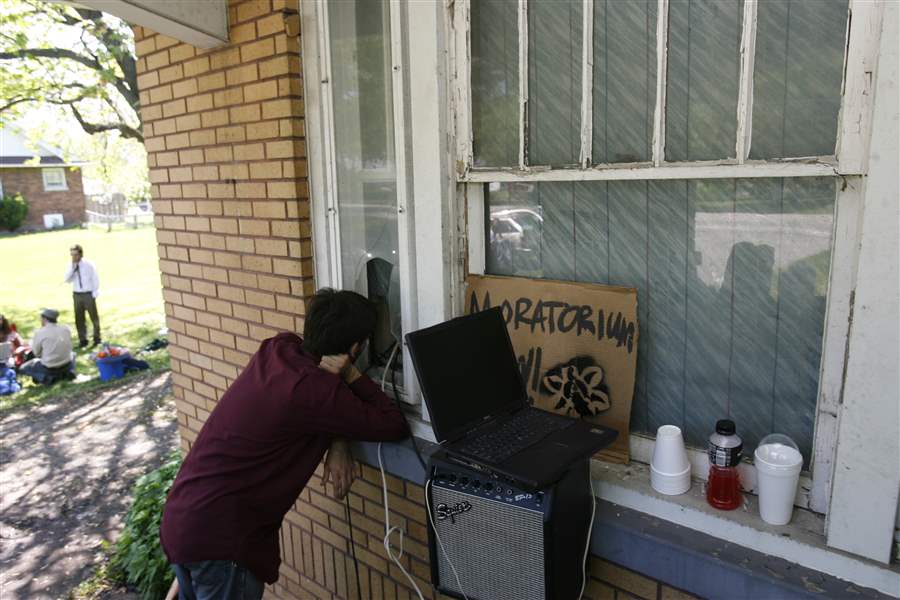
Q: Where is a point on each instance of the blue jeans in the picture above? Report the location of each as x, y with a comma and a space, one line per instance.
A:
217, 580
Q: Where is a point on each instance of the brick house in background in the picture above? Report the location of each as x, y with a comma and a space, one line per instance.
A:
370, 152
53, 188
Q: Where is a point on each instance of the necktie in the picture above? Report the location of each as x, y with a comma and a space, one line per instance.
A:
78, 272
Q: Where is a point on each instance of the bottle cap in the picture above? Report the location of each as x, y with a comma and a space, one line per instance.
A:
725, 427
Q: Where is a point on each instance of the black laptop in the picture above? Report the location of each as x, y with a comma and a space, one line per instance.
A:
478, 405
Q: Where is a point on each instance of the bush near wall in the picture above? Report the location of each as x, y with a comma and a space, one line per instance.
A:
138, 559
13, 210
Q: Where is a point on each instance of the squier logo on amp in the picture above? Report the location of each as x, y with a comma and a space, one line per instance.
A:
444, 512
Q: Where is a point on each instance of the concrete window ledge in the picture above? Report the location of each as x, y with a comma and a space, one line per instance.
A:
724, 554
683, 542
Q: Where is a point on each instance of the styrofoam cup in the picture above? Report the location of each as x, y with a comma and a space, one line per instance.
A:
777, 474
670, 470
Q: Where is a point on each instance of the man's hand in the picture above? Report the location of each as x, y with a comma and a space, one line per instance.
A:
339, 468
340, 365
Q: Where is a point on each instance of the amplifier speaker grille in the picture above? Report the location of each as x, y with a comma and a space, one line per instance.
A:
497, 549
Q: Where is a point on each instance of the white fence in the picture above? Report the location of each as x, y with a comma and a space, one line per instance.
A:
107, 210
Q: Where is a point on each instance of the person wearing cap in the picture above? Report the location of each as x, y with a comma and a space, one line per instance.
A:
52, 348
82, 274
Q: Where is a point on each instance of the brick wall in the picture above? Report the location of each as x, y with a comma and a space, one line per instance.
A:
30, 183
224, 134
226, 148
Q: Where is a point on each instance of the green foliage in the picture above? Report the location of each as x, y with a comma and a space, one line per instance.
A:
69, 56
138, 557
13, 210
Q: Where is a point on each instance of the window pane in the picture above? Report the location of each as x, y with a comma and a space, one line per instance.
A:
702, 78
365, 167
554, 82
495, 83
731, 278
797, 77
624, 86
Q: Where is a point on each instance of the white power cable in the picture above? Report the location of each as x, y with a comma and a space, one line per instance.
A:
387, 368
439, 542
388, 530
587, 544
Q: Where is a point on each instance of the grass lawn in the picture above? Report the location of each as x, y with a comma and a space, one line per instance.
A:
130, 302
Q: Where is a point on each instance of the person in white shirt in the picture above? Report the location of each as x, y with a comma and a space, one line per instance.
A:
52, 348
82, 274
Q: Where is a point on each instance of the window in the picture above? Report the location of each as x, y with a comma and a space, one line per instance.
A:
54, 180
361, 233
688, 149
731, 277
1, 188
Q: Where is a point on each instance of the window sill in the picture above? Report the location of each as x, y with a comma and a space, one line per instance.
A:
802, 541
765, 551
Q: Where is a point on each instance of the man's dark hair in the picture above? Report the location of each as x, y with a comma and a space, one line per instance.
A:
77, 248
336, 320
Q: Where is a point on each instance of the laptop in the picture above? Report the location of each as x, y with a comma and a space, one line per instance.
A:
479, 410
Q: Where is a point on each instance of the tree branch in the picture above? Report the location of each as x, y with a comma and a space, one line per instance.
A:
50, 53
126, 130
15, 101
127, 85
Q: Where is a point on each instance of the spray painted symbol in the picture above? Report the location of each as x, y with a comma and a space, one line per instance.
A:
578, 386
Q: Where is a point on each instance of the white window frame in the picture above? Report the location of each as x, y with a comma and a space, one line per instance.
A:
1, 188
849, 161
441, 212
52, 186
323, 174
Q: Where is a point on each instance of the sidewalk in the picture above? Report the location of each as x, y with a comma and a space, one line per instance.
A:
66, 470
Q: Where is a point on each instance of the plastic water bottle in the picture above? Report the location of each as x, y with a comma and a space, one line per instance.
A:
723, 487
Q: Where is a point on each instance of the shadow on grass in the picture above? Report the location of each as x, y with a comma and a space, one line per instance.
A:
88, 379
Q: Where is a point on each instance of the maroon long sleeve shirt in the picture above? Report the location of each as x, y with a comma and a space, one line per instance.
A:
257, 450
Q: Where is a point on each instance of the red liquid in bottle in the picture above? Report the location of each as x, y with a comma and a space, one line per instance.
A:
723, 488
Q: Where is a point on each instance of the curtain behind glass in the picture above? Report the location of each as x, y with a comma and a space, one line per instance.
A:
554, 82
624, 82
731, 278
797, 77
702, 78
495, 83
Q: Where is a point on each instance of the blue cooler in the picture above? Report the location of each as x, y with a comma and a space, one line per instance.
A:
111, 367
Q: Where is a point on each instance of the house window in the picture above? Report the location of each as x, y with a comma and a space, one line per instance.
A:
1, 188
731, 277
643, 144
361, 187
54, 180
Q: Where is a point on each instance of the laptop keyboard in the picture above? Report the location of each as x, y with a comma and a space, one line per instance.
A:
522, 430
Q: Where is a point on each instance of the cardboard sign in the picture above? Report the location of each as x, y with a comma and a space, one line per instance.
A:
576, 344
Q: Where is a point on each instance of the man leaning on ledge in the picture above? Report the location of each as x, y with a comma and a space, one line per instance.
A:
296, 399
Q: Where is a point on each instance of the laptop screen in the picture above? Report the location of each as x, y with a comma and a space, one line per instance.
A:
467, 371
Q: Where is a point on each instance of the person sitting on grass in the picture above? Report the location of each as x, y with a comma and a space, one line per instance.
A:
17, 346
52, 349
297, 399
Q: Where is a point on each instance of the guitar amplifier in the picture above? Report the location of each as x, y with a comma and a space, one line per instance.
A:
506, 543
